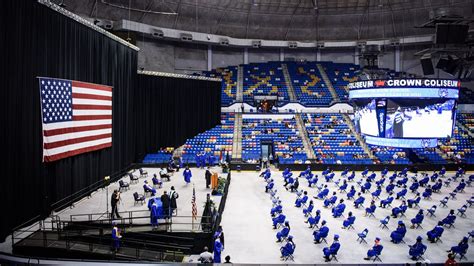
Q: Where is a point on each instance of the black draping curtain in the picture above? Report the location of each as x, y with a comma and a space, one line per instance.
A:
37, 41
170, 110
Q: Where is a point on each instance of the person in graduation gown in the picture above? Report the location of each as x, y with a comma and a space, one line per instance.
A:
436, 232
187, 175
218, 247
148, 188
208, 176
398, 235
462, 247
375, 250
332, 250
220, 234
417, 249
154, 215
321, 233
288, 248
116, 237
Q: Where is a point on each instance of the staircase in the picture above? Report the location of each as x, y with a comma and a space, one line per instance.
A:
239, 97
178, 152
237, 139
463, 127
328, 83
358, 136
304, 136
289, 84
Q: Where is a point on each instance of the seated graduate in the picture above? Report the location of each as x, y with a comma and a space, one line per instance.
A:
343, 186
187, 175
269, 185
148, 188
418, 219
349, 221
288, 248
321, 232
402, 193
449, 220
344, 173
331, 200
280, 219
288, 181
417, 249
380, 182
400, 209
284, 232
332, 250
412, 202
384, 172
323, 193
387, 201
461, 248
428, 192
372, 176
375, 250
461, 186
308, 210
156, 181
285, 172
436, 232
277, 209
267, 170
414, 187
399, 233
371, 208
351, 176
366, 187
390, 187
437, 186
313, 180
377, 192
302, 201
295, 185
312, 221
173, 165
359, 201
164, 174
339, 209
351, 193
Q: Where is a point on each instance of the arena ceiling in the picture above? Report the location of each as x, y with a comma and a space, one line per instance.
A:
302, 20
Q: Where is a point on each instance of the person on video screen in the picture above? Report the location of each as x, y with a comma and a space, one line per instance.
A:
398, 120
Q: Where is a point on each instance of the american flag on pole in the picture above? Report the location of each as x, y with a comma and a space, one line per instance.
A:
77, 117
193, 201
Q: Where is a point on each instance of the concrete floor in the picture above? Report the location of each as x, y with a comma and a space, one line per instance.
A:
250, 238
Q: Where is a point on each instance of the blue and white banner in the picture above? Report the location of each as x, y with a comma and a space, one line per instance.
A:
402, 143
404, 93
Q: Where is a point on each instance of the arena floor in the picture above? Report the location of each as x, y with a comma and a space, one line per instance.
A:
249, 237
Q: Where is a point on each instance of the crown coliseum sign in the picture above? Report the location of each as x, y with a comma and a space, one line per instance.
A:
405, 88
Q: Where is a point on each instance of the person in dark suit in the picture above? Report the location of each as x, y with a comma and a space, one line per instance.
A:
208, 177
114, 202
173, 196
165, 200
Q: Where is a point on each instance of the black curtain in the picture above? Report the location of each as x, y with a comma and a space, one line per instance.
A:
171, 110
37, 41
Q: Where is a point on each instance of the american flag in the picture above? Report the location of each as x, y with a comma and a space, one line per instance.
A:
77, 117
193, 201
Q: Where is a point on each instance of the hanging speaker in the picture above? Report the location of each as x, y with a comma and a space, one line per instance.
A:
427, 65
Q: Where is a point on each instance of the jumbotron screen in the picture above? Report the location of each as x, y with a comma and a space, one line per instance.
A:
405, 118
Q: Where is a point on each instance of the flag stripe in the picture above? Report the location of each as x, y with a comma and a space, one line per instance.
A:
90, 107
91, 91
59, 156
89, 101
91, 117
91, 96
91, 112
67, 130
91, 86
76, 135
77, 146
61, 125
70, 141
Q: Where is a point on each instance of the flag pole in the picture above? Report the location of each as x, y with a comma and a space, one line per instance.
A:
192, 212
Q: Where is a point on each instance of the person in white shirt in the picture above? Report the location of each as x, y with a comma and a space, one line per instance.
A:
206, 256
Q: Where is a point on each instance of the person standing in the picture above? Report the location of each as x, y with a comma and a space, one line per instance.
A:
187, 175
173, 196
208, 177
165, 200
205, 256
154, 215
114, 200
115, 237
218, 247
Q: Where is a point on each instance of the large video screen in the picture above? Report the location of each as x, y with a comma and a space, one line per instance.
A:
365, 118
419, 118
